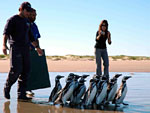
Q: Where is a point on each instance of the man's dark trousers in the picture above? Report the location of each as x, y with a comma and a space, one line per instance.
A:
19, 69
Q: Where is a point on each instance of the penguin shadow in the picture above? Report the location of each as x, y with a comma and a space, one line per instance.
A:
6, 108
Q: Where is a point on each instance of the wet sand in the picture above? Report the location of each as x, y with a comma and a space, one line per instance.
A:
26, 107
89, 66
138, 100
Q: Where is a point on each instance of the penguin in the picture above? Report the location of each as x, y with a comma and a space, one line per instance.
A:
68, 80
95, 79
90, 93
121, 93
75, 79
66, 92
112, 88
53, 96
102, 90
79, 91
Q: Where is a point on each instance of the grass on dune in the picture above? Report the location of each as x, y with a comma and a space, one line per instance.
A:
88, 57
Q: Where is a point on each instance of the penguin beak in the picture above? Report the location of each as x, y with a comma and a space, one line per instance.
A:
129, 77
85, 76
61, 76
118, 75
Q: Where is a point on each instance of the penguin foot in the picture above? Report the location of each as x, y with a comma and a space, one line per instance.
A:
95, 106
125, 104
88, 106
101, 107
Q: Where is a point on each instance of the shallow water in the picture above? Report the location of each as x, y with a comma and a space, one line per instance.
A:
138, 97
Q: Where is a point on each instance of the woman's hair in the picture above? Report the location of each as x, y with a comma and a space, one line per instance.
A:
100, 26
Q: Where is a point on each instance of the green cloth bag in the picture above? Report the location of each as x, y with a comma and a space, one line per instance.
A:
39, 76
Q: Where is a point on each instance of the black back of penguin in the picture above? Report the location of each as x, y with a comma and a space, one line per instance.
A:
54, 94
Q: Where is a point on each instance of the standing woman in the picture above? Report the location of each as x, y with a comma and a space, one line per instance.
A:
101, 50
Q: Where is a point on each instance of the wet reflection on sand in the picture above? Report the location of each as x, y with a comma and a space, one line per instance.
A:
29, 107
6, 108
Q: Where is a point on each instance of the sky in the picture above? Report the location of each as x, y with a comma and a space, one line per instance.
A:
70, 26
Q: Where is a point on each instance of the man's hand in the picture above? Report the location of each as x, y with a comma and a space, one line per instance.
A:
5, 48
39, 51
5, 37
34, 43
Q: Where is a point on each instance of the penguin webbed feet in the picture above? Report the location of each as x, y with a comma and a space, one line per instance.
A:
88, 106
101, 106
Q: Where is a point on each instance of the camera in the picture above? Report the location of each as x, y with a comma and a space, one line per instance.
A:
103, 33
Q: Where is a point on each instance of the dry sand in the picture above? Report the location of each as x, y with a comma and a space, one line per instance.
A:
89, 66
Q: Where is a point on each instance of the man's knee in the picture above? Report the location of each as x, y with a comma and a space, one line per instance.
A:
13, 76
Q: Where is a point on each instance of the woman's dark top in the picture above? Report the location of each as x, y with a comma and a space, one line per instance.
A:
101, 43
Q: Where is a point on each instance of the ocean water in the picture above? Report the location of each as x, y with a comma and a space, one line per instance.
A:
138, 96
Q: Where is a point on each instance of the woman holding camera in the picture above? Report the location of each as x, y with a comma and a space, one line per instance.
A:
101, 50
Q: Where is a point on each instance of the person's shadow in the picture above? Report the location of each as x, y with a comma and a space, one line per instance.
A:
6, 108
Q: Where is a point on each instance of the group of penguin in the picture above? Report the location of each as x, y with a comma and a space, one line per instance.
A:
100, 91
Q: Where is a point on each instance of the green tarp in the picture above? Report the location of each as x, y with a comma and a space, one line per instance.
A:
39, 76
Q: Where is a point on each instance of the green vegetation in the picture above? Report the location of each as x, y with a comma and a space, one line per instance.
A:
71, 57
88, 57
4, 57
124, 57
91, 58
56, 57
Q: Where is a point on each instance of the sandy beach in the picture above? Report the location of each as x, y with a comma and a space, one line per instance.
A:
89, 66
